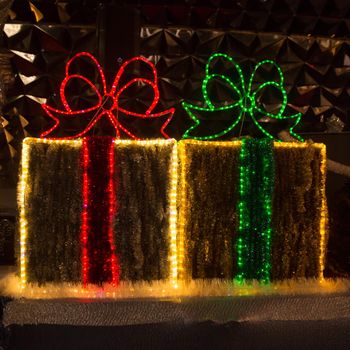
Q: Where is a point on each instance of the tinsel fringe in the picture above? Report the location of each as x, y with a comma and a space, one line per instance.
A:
10, 286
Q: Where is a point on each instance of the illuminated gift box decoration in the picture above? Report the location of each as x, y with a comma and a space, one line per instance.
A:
98, 209
54, 203
249, 209
251, 213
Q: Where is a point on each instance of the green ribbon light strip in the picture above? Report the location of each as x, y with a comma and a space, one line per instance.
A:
246, 100
256, 184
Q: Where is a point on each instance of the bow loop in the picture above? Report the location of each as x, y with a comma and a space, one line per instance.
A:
65, 83
228, 61
259, 103
236, 92
261, 65
212, 75
97, 69
275, 84
153, 82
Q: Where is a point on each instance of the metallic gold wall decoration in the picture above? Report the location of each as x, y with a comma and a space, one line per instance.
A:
314, 17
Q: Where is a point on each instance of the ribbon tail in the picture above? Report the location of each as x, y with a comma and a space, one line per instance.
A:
127, 116
60, 117
171, 112
203, 117
46, 108
291, 129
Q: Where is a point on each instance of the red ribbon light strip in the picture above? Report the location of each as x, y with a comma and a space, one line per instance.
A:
114, 94
99, 259
84, 217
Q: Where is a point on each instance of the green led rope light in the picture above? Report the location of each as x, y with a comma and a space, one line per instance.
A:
246, 100
265, 217
243, 212
256, 183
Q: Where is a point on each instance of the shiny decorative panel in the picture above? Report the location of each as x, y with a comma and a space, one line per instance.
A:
38, 55
316, 17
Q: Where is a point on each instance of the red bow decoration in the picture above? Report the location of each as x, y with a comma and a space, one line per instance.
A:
113, 95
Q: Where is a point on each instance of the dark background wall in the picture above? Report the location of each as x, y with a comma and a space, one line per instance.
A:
309, 39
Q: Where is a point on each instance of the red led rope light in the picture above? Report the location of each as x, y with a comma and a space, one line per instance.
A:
115, 93
84, 226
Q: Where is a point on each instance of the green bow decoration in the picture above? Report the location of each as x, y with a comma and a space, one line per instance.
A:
246, 100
